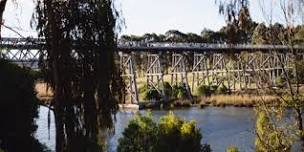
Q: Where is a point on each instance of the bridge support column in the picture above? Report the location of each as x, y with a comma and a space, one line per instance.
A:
154, 75
217, 69
179, 72
199, 70
127, 63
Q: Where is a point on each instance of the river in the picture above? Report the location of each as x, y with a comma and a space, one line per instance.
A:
221, 127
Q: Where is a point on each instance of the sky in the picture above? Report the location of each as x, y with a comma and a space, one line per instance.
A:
145, 16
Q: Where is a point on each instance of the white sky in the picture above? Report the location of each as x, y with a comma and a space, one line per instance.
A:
145, 16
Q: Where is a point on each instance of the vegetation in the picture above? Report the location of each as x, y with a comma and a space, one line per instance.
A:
232, 149
172, 92
18, 109
179, 91
205, 90
85, 79
239, 100
270, 137
170, 134
274, 132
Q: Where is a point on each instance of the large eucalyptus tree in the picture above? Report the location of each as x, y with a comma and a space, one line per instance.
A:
80, 42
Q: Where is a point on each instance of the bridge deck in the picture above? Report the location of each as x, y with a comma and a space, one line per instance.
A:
34, 43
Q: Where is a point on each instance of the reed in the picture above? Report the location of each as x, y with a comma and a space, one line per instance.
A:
244, 100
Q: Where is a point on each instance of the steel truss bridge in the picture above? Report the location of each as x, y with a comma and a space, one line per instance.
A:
238, 67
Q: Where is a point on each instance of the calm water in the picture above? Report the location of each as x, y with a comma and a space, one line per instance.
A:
221, 127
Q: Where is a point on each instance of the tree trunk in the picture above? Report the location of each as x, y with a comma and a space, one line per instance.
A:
300, 126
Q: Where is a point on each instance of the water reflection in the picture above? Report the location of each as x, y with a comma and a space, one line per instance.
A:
221, 127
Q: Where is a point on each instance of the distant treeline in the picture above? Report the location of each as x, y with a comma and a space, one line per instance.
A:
252, 33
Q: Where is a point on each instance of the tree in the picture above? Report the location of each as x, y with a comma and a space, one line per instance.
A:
277, 135
277, 34
259, 34
270, 137
79, 66
18, 109
142, 134
299, 35
194, 38
175, 36
206, 35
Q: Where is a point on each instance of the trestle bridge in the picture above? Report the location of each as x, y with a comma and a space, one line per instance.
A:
238, 67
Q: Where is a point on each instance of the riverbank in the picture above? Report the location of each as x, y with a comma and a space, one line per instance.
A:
45, 94
237, 100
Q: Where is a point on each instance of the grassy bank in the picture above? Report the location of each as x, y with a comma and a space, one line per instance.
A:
220, 100
237, 100
44, 94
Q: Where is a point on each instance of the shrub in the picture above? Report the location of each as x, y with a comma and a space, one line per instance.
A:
232, 149
171, 134
300, 71
204, 90
18, 108
180, 91
207, 91
222, 90
152, 94
168, 90
140, 135
269, 137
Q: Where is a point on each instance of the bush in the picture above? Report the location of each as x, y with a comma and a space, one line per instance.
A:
268, 136
300, 71
140, 135
204, 90
167, 89
232, 149
207, 91
18, 108
179, 91
222, 90
152, 94
171, 134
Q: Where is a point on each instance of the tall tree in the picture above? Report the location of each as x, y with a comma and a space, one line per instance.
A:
79, 66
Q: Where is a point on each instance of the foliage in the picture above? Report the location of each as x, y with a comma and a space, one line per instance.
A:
222, 89
232, 149
142, 134
152, 94
179, 91
168, 90
204, 90
259, 35
18, 109
299, 35
270, 137
300, 71
86, 81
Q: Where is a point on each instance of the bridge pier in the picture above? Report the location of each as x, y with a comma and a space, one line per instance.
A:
154, 74
179, 73
127, 64
200, 70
